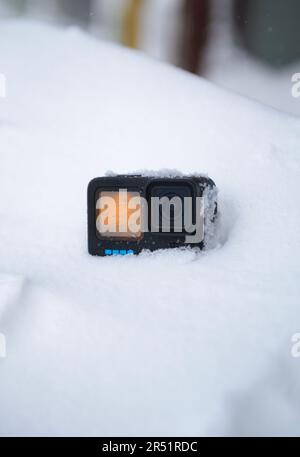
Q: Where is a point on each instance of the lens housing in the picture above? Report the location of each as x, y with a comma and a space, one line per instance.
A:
171, 215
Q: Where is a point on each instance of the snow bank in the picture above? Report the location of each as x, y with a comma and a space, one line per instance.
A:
170, 343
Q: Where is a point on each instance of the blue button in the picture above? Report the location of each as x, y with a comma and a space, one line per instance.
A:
107, 252
123, 252
130, 251
115, 252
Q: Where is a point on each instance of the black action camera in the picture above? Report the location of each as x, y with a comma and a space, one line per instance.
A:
130, 213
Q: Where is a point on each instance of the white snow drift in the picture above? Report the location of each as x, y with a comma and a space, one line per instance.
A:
172, 343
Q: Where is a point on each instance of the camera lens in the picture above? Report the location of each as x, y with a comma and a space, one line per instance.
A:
169, 214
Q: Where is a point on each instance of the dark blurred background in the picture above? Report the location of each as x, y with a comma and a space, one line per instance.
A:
249, 46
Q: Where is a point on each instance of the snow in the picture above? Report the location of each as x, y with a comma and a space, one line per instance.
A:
168, 343
161, 173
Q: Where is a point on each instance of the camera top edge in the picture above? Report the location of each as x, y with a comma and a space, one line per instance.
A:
119, 179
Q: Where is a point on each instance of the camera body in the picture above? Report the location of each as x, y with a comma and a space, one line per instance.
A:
130, 213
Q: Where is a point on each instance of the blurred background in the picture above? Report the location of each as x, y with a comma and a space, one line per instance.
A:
249, 46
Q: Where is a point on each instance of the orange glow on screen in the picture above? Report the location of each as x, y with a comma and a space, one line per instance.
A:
118, 214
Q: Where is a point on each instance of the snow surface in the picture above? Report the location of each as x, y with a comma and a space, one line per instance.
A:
169, 343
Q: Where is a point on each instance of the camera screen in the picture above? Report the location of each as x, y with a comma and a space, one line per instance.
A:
119, 214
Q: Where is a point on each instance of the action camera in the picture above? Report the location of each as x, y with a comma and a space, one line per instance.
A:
130, 213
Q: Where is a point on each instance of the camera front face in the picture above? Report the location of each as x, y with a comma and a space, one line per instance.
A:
129, 213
